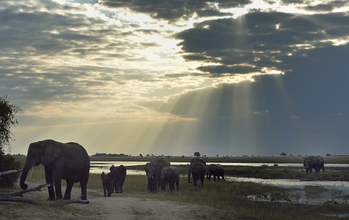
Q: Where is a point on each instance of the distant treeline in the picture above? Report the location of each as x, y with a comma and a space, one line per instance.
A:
110, 155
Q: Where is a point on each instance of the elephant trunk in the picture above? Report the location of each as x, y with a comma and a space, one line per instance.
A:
162, 183
23, 177
29, 163
189, 177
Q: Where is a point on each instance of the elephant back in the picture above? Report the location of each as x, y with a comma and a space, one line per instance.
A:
75, 156
196, 167
214, 167
197, 160
159, 163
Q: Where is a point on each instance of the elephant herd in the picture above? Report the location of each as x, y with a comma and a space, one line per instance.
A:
71, 162
160, 173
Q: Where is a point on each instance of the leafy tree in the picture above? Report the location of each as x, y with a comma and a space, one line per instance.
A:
7, 120
197, 154
283, 154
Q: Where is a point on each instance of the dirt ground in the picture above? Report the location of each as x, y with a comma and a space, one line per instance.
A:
118, 206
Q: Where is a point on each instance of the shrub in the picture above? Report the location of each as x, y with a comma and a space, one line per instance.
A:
8, 162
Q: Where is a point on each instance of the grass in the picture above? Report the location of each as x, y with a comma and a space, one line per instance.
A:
233, 196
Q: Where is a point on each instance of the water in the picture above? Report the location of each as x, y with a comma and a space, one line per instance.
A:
335, 191
98, 167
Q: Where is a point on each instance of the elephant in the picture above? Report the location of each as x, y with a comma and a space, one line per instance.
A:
197, 159
216, 170
198, 171
170, 175
108, 183
119, 174
315, 162
68, 161
153, 171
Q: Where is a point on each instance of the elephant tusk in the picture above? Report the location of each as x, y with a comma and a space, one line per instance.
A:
32, 169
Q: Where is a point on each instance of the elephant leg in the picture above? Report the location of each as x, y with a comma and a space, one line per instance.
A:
67, 193
58, 186
49, 180
117, 186
120, 183
195, 179
83, 184
150, 185
105, 189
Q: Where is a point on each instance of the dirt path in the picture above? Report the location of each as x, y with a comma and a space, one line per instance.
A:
118, 206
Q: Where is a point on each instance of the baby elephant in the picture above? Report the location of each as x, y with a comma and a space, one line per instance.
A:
108, 183
170, 175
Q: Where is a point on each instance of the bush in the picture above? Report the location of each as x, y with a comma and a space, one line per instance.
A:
8, 162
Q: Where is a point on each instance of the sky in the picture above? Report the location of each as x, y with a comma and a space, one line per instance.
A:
219, 77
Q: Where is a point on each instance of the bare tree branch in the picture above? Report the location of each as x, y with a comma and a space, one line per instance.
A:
20, 193
10, 171
18, 197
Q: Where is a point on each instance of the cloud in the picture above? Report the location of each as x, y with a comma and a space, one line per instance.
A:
327, 7
174, 11
259, 39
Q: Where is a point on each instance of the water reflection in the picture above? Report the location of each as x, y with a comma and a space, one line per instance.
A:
294, 183
336, 193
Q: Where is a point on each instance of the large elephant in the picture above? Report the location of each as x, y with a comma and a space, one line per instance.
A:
153, 171
108, 183
216, 170
68, 161
119, 174
170, 175
198, 171
315, 162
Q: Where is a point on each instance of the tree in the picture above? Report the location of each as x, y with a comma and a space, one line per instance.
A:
7, 120
197, 154
283, 154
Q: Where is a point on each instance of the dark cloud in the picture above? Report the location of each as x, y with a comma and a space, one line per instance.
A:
259, 39
174, 10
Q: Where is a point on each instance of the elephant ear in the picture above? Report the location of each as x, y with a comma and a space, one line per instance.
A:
52, 152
